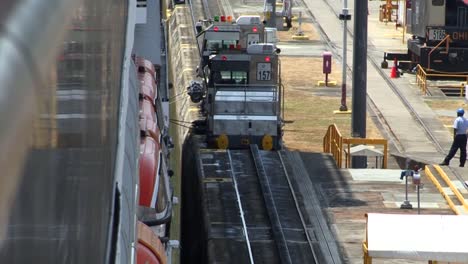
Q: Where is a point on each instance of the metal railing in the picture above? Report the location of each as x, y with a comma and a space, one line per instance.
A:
442, 190
246, 93
422, 76
333, 143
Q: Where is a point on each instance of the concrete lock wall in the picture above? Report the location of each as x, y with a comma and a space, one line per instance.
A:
184, 59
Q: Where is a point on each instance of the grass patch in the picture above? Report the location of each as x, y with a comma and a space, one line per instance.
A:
308, 116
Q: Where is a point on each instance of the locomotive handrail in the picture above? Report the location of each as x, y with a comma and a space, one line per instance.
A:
447, 40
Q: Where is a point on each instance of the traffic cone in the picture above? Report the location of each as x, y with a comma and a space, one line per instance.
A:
394, 73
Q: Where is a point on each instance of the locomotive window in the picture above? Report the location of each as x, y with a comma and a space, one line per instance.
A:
231, 77
239, 77
216, 45
438, 2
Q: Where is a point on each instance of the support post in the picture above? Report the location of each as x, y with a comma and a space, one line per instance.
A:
419, 200
358, 117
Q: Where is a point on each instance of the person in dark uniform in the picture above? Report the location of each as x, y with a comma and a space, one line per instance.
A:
460, 125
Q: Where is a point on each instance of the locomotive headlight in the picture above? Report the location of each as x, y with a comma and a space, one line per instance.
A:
267, 142
222, 141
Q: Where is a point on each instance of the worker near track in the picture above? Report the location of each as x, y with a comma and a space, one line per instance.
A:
460, 125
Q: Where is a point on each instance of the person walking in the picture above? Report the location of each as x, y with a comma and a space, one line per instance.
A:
460, 125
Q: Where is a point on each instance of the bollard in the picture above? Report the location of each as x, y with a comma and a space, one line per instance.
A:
417, 182
406, 173
327, 63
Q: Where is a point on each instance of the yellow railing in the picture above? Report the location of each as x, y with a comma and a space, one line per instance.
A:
452, 187
422, 75
421, 79
333, 143
365, 141
439, 187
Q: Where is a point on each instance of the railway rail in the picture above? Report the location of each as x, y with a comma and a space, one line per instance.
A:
274, 225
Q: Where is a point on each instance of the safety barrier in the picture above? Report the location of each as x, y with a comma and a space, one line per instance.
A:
422, 76
333, 143
452, 187
421, 79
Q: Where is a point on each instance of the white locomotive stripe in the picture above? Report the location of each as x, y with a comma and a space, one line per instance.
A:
246, 96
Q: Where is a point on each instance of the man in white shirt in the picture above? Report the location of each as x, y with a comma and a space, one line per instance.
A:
460, 125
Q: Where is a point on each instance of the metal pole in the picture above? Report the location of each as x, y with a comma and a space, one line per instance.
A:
406, 203
299, 30
406, 186
419, 204
358, 117
404, 20
343, 106
270, 13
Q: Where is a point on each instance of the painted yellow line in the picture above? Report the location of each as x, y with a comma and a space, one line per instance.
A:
185, 46
330, 83
342, 112
187, 69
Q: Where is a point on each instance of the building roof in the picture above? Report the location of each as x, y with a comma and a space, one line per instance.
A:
418, 237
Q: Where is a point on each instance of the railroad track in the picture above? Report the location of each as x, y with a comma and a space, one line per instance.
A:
274, 227
373, 107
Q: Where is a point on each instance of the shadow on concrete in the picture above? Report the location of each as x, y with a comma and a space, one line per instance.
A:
330, 182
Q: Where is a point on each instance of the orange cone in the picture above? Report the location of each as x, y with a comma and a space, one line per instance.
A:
394, 73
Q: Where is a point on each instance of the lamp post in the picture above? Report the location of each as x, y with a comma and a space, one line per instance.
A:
345, 17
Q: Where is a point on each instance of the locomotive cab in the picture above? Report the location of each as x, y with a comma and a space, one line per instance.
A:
224, 36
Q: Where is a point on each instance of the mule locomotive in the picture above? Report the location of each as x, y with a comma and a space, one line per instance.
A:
440, 36
240, 94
